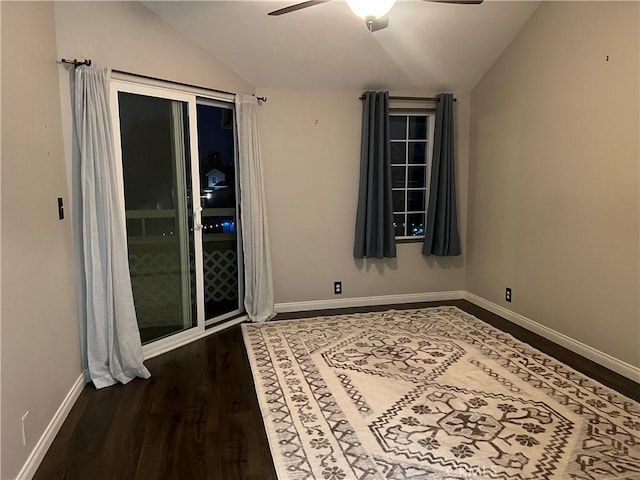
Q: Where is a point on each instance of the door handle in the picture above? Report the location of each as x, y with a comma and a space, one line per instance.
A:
197, 218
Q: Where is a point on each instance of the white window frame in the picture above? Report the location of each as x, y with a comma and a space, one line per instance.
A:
431, 117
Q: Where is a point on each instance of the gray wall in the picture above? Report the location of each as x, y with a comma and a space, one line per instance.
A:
554, 177
40, 352
551, 163
40, 338
127, 36
311, 149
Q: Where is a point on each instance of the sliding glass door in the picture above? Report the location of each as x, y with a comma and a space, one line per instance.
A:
222, 275
179, 192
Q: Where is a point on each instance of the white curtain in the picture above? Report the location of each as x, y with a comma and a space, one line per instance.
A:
113, 348
258, 281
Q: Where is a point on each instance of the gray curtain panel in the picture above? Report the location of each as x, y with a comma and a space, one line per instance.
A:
441, 232
375, 235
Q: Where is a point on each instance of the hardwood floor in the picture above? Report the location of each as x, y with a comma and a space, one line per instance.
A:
198, 417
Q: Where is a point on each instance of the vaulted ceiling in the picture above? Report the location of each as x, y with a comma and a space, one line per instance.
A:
426, 46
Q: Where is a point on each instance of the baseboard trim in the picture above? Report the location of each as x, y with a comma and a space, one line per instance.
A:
631, 372
366, 301
601, 358
604, 359
44, 442
40, 449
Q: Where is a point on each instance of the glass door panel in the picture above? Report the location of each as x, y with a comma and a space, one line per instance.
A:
154, 136
222, 262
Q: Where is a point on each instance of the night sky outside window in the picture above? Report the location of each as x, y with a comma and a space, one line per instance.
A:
411, 138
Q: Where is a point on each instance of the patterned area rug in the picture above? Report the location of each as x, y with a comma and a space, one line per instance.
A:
431, 394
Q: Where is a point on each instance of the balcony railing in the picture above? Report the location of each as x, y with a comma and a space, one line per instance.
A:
140, 231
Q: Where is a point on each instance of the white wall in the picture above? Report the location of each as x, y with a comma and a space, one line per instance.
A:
554, 178
40, 343
127, 36
311, 149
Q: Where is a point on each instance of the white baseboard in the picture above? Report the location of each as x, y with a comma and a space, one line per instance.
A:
44, 442
30, 467
601, 358
604, 359
365, 301
633, 373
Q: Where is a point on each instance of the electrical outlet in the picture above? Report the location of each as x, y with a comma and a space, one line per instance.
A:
25, 430
337, 288
507, 294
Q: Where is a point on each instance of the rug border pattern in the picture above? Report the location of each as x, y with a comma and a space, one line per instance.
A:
530, 367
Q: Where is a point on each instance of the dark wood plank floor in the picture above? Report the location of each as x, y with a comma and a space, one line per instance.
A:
198, 417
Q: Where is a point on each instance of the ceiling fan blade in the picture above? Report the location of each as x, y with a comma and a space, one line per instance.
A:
377, 24
297, 6
459, 2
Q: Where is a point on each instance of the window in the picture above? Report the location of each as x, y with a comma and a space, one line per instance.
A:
411, 149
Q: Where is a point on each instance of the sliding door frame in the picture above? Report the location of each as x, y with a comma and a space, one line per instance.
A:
211, 102
154, 88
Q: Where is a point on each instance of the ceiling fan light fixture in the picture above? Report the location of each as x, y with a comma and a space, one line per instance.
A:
370, 9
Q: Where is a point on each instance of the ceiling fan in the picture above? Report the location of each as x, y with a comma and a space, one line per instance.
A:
374, 12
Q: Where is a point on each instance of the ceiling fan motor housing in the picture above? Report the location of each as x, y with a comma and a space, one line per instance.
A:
370, 22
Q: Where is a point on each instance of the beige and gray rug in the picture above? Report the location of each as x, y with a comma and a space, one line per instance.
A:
431, 394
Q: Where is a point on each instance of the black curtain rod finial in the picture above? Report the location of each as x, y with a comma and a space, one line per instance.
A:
261, 99
76, 63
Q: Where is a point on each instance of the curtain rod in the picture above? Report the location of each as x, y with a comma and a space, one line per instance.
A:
78, 63
420, 99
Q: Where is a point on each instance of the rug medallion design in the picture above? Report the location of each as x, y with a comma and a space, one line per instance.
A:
431, 394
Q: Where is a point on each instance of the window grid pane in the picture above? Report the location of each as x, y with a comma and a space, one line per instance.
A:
409, 147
